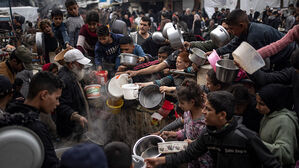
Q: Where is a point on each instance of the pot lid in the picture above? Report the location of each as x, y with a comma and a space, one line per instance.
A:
20, 148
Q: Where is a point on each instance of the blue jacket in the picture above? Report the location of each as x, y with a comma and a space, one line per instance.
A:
258, 36
109, 52
138, 50
60, 33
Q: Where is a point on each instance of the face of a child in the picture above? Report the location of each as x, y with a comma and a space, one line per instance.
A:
92, 26
162, 57
186, 105
73, 10
126, 48
237, 30
261, 106
57, 20
104, 39
212, 119
47, 29
180, 64
210, 85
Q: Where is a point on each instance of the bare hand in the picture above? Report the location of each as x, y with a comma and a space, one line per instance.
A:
100, 68
187, 44
121, 68
141, 59
166, 71
208, 53
195, 67
153, 162
168, 134
238, 65
166, 89
189, 141
83, 121
141, 85
68, 46
132, 73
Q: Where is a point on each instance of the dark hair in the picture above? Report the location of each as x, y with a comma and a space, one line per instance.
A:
102, 31
297, 4
118, 155
126, 40
56, 12
222, 101
212, 76
185, 56
240, 93
92, 16
53, 66
44, 81
237, 16
13, 55
190, 90
44, 22
165, 49
18, 82
69, 3
147, 19
295, 59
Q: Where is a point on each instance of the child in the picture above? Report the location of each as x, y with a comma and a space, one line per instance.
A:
88, 37
74, 21
51, 44
59, 28
118, 155
191, 100
230, 145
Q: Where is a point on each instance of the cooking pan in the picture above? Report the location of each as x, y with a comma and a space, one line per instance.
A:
20, 147
128, 59
150, 97
220, 36
39, 42
175, 38
197, 56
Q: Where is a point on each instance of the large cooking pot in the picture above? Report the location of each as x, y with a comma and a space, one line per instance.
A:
197, 56
20, 148
147, 147
175, 38
220, 36
158, 37
119, 27
226, 70
150, 97
128, 59
166, 26
39, 42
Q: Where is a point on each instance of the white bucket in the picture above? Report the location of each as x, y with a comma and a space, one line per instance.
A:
130, 91
248, 58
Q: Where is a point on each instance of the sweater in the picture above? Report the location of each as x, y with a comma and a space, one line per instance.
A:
278, 132
61, 35
87, 41
275, 47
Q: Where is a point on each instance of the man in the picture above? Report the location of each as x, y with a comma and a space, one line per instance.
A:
230, 145
19, 59
216, 16
143, 33
188, 18
73, 106
257, 35
6, 93
43, 97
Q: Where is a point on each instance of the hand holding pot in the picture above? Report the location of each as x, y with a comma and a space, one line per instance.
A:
168, 134
189, 141
141, 59
154, 162
167, 89
208, 53
132, 73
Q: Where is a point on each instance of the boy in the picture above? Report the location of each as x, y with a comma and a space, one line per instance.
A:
51, 44
59, 28
74, 21
107, 50
118, 155
230, 145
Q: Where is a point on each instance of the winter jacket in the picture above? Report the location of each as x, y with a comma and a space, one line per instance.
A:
287, 76
87, 41
233, 146
61, 34
258, 36
28, 116
7, 71
203, 45
278, 132
71, 101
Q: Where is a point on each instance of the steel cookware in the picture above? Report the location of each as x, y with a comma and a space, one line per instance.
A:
158, 37
220, 36
147, 147
175, 38
150, 97
128, 59
226, 70
197, 56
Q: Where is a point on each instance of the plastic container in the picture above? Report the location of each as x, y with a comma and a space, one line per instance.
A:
114, 105
172, 146
213, 58
92, 91
130, 91
114, 85
166, 108
248, 58
102, 77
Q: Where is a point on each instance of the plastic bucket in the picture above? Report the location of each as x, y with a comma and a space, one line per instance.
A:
92, 91
213, 58
166, 108
101, 77
114, 86
114, 105
130, 91
248, 58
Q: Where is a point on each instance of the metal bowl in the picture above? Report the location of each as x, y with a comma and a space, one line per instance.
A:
166, 26
39, 42
138, 161
20, 147
220, 36
128, 59
150, 97
158, 37
147, 147
197, 56
226, 70
175, 38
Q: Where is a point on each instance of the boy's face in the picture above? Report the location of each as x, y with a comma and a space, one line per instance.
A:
57, 20
180, 64
49, 101
237, 30
73, 10
212, 119
104, 39
162, 57
143, 27
261, 106
47, 29
211, 86
92, 26
126, 48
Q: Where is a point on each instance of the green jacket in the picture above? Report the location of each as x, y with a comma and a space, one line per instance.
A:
203, 45
278, 132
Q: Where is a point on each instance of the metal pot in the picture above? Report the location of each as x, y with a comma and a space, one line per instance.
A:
20, 147
175, 38
150, 97
197, 56
138, 161
226, 70
128, 59
119, 27
166, 26
147, 147
39, 42
158, 37
220, 36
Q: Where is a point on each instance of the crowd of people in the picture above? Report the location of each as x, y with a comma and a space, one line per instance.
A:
250, 122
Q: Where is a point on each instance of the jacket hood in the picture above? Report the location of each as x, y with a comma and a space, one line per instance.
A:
291, 114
